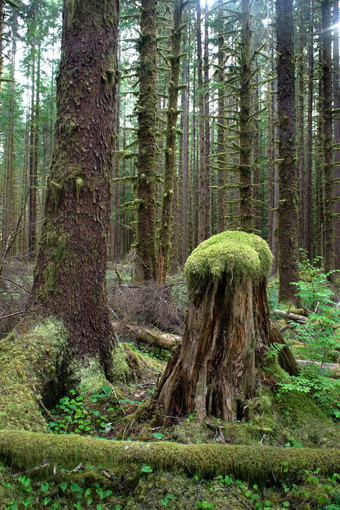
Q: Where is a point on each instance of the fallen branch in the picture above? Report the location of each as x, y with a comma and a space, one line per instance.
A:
261, 464
291, 316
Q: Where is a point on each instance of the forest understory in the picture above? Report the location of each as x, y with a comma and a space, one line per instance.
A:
282, 453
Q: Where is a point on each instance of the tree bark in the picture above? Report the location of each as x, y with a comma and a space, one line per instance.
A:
146, 260
170, 152
69, 281
308, 186
227, 332
287, 210
336, 88
328, 135
246, 132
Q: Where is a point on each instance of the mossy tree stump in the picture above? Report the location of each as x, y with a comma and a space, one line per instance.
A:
228, 330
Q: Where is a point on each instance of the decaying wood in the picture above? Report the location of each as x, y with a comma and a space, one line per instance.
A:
285, 357
291, 316
261, 464
151, 336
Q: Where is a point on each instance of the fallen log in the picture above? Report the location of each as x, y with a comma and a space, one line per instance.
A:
151, 336
261, 464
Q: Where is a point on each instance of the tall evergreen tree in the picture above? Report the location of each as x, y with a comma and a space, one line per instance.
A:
69, 281
328, 133
287, 210
146, 262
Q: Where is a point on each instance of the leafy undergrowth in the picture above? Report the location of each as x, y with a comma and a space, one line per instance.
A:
88, 487
289, 420
282, 415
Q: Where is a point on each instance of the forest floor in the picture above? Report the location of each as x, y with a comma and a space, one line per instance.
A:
277, 417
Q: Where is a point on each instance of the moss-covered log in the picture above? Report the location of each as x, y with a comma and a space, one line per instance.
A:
228, 330
259, 463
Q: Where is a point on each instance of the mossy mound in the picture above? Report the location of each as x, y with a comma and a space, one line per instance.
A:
235, 254
28, 364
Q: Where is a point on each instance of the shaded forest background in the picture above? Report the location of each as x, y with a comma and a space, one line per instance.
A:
224, 45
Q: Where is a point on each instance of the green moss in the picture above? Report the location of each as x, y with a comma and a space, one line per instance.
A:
56, 189
28, 359
259, 463
79, 185
87, 376
120, 368
235, 254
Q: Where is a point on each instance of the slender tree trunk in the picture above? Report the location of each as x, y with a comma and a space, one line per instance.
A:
32, 201
221, 153
115, 186
69, 281
207, 185
246, 131
319, 228
287, 211
185, 154
146, 264
2, 25
328, 138
301, 124
170, 151
201, 125
336, 88
308, 187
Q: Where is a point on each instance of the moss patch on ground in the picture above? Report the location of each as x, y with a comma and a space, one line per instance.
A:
28, 362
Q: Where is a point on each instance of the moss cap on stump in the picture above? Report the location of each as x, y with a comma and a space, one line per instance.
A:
233, 254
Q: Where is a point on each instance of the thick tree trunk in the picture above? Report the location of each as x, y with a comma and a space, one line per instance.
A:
227, 332
69, 280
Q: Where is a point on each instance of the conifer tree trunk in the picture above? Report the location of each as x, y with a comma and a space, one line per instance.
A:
207, 185
287, 210
32, 201
328, 135
69, 281
170, 151
146, 263
221, 211
336, 88
309, 145
185, 153
202, 211
301, 124
246, 131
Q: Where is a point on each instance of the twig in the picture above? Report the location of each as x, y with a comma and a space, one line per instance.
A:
12, 314
36, 468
